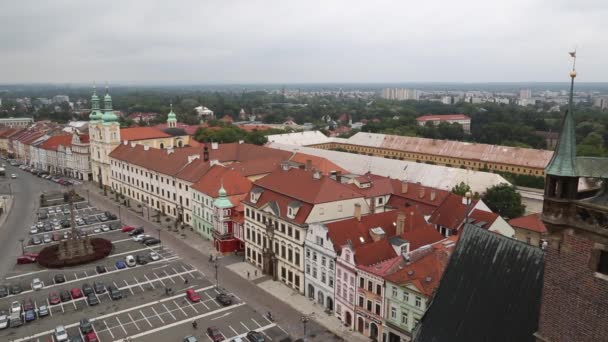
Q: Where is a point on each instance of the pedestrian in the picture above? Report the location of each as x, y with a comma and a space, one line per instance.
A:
186, 281
255, 273
247, 274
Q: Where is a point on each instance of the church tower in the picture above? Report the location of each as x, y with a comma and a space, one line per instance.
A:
575, 285
104, 135
171, 118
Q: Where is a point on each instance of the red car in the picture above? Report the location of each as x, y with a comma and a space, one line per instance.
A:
32, 255
91, 337
56, 237
76, 293
193, 296
54, 298
215, 334
127, 229
26, 259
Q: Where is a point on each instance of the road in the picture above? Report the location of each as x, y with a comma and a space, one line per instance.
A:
26, 193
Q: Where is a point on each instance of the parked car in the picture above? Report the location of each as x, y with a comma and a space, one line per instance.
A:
43, 310
46, 238
65, 223
141, 259
99, 287
152, 242
92, 299
190, 339
87, 289
56, 226
33, 230
193, 296
105, 228
255, 336
140, 237
3, 291
65, 296
29, 315
60, 334
110, 215
120, 264
13, 176
54, 298
115, 293
16, 289
76, 293
40, 224
47, 227
126, 229
130, 261
91, 337
114, 225
35, 240
59, 278
76, 338
56, 237
154, 256
97, 230
26, 259
85, 326
15, 307
215, 334
37, 284
3, 321
224, 299
136, 231
103, 218
100, 269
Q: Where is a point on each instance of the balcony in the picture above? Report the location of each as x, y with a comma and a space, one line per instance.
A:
582, 214
218, 235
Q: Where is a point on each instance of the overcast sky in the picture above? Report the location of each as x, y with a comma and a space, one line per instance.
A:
256, 41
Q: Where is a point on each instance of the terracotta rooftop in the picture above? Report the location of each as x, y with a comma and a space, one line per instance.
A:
141, 133
452, 212
322, 164
278, 201
443, 117
530, 222
383, 268
244, 152
234, 183
53, 142
477, 217
374, 252
155, 159
425, 198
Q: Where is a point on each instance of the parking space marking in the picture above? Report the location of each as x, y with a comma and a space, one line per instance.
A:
243, 324
174, 270
169, 276
158, 278
192, 306
24, 274
149, 281
157, 315
170, 313
268, 337
108, 329
120, 323
179, 307
146, 318
258, 324
129, 287
140, 286
234, 331
134, 323
261, 329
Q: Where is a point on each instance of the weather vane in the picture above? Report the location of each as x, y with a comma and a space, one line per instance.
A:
573, 55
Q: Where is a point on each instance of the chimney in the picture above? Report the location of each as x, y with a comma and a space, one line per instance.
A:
316, 174
125, 142
400, 223
433, 195
403, 187
372, 205
205, 153
358, 212
241, 141
146, 147
170, 150
308, 164
133, 144
214, 145
421, 193
339, 176
285, 166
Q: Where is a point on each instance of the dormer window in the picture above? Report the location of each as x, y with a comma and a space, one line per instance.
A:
255, 194
253, 198
292, 209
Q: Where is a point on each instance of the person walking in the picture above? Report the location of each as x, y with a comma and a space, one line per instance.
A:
248, 274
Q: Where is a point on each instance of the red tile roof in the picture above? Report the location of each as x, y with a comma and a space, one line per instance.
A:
280, 201
234, 183
452, 212
483, 216
443, 117
374, 252
53, 143
300, 184
425, 198
141, 133
322, 164
258, 167
422, 236
155, 159
193, 171
245, 152
530, 222
379, 185
189, 129
383, 268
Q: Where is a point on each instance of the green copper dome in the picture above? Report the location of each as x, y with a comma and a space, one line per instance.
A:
108, 114
109, 117
222, 201
171, 116
95, 112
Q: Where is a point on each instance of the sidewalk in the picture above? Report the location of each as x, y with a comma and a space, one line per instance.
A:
8, 205
256, 296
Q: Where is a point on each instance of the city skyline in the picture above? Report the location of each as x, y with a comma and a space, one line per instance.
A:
303, 42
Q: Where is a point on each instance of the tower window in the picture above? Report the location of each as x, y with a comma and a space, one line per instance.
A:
602, 266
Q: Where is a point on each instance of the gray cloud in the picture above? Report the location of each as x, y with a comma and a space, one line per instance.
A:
301, 41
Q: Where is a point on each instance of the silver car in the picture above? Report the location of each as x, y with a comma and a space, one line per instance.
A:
46, 238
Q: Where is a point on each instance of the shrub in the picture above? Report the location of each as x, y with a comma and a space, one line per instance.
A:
48, 257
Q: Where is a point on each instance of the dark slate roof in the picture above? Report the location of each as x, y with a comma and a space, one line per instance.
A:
490, 291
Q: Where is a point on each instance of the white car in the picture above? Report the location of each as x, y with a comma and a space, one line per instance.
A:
97, 230
40, 224
154, 256
33, 230
60, 334
13, 176
140, 237
37, 284
3, 321
50, 210
130, 261
56, 226
46, 238
105, 228
15, 307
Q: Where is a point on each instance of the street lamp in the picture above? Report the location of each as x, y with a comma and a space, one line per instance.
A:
22, 247
304, 320
217, 281
161, 241
119, 215
88, 200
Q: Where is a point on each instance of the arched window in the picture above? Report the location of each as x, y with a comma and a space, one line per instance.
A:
162, 145
180, 143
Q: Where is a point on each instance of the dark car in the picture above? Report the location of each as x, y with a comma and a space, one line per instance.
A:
103, 218
30, 315
110, 215
75, 338
65, 223
3, 291
16, 289
224, 299
85, 326
141, 260
152, 241
47, 227
100, 269
114, 225
65, 296
92, 299
54, 298
87, 289
59, 278
215, 334
115, 293
136, 231
99, 287
255, 336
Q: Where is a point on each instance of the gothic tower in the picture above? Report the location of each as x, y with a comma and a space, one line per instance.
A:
575, 285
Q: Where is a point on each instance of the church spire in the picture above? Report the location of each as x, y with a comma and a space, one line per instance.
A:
171, 118
563, 162
95, 112
108, 112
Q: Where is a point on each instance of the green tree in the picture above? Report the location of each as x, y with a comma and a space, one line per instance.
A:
504, 200
461, 189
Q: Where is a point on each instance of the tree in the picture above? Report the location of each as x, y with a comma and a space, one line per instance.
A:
504, 200
461, 189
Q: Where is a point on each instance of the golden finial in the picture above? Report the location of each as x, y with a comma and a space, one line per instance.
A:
573, 55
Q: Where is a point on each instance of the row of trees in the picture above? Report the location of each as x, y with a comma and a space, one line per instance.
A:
502, 199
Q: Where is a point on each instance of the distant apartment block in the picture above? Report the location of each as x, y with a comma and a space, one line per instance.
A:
16, 122
461, 119
400, 94
601, 102
61, 98
525, 94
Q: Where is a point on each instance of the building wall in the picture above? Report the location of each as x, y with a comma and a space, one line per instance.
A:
471, 164
528, 236
574, 300
16, 122
320, 259
369, 308
345, 293
404, 307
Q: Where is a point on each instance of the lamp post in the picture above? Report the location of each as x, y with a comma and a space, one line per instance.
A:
161, 241
217, 280
88, 200
119, 215
22, 247
304, 320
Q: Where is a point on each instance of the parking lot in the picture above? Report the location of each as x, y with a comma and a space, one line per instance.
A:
146, 311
